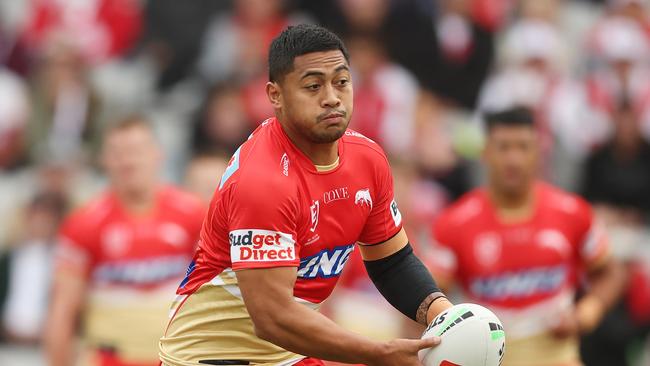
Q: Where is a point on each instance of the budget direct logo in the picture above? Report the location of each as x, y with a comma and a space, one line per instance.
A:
255, 245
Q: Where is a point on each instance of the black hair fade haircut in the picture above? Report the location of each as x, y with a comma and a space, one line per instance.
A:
299, 40
515, 116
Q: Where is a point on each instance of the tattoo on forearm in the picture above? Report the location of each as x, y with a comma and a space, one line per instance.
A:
423, 309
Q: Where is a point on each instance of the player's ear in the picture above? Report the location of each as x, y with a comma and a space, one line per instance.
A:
273, 93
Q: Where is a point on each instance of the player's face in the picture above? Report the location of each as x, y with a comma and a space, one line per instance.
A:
315, 99
132, 158
511, 155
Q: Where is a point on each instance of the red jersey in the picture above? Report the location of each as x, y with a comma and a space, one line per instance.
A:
274, 208
130, 262
524, 271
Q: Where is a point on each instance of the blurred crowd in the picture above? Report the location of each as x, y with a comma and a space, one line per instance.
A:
424, 71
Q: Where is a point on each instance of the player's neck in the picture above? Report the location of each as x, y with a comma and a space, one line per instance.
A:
513, 206
137, 201
320, 154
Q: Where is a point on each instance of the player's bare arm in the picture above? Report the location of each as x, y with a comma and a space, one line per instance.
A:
606, 282
69, 289
279, 319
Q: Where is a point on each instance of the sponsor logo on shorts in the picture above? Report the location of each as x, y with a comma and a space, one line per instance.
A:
255, 245
326, 263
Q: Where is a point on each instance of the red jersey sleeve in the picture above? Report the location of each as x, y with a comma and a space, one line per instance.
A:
74, 251
262, 227
593, 245
385, 219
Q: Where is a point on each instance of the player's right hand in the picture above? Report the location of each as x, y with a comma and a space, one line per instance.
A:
403, 352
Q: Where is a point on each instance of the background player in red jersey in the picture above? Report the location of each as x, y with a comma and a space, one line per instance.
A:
119, 256
522, 248
297, 197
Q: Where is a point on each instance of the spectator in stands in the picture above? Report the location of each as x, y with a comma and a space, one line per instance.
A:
618, 174
172, 35
448, 52
222, 123
14, 114
203, 174
100, 29
618, 56
617, 181
65, 106
385, 95
30, 269
235, 43
235, 47
435, 152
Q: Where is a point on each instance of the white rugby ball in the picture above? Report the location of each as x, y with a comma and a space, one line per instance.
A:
470, 335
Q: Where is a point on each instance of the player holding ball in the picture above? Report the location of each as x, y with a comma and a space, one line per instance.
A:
296, 199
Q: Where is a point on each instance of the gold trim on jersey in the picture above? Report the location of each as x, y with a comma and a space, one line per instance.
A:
326, 168
213, 324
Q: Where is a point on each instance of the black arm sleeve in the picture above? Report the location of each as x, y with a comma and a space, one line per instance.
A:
405, 282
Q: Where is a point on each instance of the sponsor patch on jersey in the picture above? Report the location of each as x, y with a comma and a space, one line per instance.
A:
395, 214
357, 134
314, 211
326, 263
256, 245
336, 194
116, 240
520, 284
488, 248
141, 272
284, 162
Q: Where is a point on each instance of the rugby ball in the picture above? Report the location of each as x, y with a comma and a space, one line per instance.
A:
470, 335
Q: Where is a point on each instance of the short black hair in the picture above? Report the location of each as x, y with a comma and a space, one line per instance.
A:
299, 40
515, 116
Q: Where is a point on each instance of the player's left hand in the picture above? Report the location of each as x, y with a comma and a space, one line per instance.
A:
565, 324
583, 318
589, 312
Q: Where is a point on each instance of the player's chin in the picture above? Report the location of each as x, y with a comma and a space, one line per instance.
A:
329, 134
